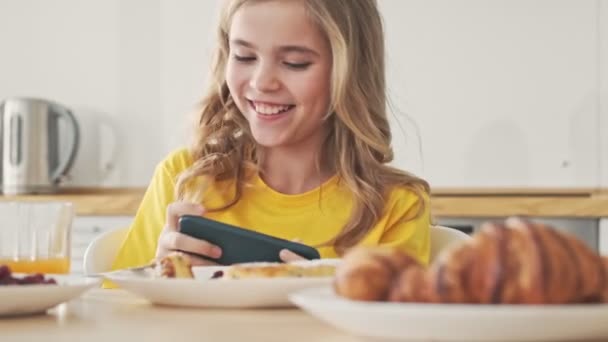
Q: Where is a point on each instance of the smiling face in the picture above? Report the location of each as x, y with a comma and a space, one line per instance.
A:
278, 73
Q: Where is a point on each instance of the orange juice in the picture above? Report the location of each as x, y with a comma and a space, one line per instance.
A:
53, 265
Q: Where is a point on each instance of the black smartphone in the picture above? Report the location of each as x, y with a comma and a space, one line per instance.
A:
241, 245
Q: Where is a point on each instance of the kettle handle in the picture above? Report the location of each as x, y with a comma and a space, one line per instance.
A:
1, 143
67, 162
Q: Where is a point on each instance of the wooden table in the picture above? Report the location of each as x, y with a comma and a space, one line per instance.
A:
115, 315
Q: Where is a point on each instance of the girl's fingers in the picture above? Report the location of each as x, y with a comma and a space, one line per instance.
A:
288, 256
177, 209
171, 240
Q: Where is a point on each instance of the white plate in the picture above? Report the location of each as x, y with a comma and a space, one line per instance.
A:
29, 299
455, 322
219, 293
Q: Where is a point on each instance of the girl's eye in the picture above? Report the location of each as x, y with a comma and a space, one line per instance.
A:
244, 59
297, 66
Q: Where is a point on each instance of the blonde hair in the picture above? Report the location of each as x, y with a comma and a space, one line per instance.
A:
359, 137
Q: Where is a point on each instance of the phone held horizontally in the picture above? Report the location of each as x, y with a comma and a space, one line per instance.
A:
241, 245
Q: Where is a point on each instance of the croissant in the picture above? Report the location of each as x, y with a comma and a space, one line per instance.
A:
515, 262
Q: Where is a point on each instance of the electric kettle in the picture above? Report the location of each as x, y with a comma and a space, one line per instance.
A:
39, 141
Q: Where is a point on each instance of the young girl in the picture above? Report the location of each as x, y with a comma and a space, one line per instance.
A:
293, 140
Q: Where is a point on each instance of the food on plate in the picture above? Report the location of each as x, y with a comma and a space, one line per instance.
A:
367, 273
277, 270
515, 262
174, 265
8, 278
178, 265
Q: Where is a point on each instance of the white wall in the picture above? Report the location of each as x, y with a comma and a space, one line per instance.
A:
505, 92
100, 58
603, 99
500, 93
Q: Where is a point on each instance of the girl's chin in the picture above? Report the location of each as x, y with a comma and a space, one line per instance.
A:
270, 143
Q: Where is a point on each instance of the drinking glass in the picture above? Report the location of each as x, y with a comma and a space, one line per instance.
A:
35, 237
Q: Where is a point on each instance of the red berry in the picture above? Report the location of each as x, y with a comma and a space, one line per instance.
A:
5, 271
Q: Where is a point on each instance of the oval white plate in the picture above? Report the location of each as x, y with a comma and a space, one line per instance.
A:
455, 322
240, 293
220, 293
28, 299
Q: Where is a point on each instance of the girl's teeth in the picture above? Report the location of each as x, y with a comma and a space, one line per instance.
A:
268, 109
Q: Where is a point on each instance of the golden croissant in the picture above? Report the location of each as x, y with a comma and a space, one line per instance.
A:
515, 262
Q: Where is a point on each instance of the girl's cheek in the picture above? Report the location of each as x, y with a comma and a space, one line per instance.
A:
237, 75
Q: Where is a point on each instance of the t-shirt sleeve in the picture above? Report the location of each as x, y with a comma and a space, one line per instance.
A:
139, 247
407, 230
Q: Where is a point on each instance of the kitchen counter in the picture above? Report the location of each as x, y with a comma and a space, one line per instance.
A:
446, 202
92, 201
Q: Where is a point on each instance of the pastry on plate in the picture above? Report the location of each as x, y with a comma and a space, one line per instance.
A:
511, 262
174, 265
277, 270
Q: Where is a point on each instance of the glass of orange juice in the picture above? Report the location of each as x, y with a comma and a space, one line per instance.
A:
35, 237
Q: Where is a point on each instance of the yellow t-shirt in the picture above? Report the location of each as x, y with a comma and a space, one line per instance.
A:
313, 217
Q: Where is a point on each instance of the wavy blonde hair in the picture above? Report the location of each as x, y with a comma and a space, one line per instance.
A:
359, 137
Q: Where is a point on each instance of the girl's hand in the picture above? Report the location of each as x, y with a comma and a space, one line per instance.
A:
172, 240
289, 256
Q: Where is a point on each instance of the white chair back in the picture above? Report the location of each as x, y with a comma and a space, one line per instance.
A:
102, 251
442, 237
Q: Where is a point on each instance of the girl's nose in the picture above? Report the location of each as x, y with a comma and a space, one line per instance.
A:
264, 79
